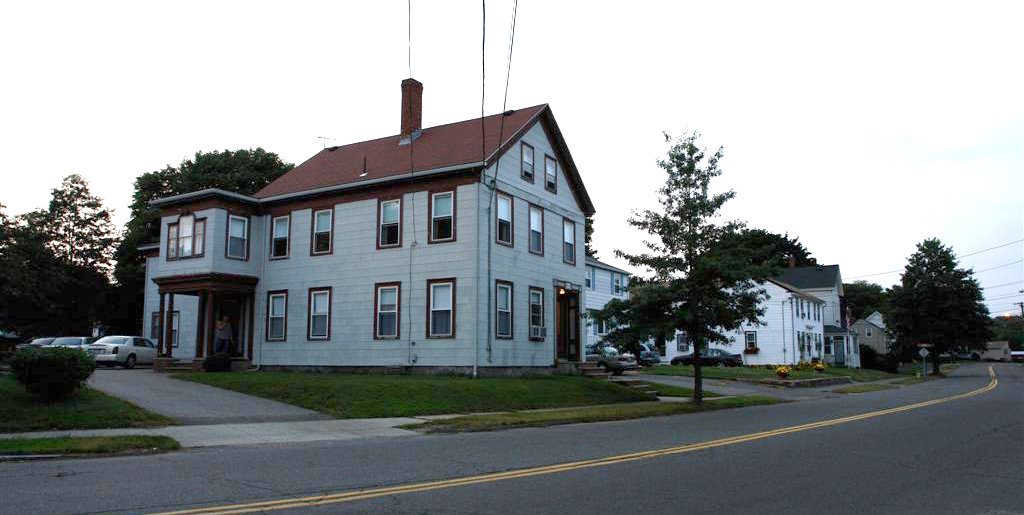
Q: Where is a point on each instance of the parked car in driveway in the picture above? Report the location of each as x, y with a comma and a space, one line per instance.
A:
649, 355
610, 359
74, 342
711, 358
126, 351
38, 342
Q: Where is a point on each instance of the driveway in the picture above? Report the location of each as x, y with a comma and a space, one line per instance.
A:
192, 403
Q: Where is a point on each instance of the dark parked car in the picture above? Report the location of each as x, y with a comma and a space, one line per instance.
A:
711, 358
38, 342
609, 358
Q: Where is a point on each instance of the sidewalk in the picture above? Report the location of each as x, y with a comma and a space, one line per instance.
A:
248, 434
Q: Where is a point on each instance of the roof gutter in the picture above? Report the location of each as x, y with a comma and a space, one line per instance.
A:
217, 192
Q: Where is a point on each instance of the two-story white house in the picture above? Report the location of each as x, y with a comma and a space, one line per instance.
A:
790, 330
826, 283
457, 247
603, 283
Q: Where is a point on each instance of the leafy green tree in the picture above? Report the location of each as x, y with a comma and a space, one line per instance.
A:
244, 171
79, 227
1011, 329
864, 298
588, 233
939, 303
777, 249
643, 315
705, 279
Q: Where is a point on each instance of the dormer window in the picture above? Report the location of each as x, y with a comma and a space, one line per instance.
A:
186, 237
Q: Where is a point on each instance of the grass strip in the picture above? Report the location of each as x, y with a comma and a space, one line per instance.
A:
499, 421
669, 390
379, 395
90, 409
864, 388
87, 445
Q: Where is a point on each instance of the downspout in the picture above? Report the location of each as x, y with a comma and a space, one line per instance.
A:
259, 273
476, 341
783, 313
792, 323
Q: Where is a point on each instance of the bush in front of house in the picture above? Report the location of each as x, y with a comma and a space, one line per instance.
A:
218, 362
52, 373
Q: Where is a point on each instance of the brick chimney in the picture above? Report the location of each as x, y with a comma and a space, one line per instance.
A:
412, 110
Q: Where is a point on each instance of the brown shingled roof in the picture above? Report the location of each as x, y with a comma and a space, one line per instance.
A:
438, 147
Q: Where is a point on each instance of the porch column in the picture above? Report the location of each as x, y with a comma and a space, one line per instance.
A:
201, 325
169, 332
209, 321
251, 311
160, 324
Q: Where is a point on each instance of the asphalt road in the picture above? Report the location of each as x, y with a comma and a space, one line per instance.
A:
960, 457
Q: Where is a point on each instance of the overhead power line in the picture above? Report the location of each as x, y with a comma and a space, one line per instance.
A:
1000, 266
1007, 244
1002, 285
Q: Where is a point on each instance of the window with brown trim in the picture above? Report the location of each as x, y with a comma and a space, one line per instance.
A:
280, 236
538, 332
442, 217
526, 161
568, 241
504, 303
322, 229
550, 174
536, 230
504, 220
389, 218
441, 308
277, 315
186, 238
387, 311
237, 237
318, 323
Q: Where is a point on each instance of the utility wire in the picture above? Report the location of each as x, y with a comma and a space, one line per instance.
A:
959, 256
1000, 266
1002, 285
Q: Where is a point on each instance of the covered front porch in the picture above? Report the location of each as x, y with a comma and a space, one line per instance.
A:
220, 297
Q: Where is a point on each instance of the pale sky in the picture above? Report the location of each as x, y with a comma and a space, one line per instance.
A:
861, 127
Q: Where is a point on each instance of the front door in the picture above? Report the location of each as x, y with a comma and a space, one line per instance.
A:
839, 347
567, 321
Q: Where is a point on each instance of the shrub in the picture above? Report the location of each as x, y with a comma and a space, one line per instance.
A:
52, 373
218, 362
869, 358
782, 371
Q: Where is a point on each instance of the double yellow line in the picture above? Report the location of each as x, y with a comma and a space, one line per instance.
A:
372, 493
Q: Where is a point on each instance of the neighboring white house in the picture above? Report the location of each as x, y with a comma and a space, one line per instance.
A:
826, 283
791, 330
603, 283
437, 247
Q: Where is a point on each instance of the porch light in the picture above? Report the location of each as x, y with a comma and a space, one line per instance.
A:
561, 291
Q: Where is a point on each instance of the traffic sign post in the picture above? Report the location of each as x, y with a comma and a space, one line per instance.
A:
924, 360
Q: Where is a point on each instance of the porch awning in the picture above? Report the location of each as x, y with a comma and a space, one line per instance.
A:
212, 282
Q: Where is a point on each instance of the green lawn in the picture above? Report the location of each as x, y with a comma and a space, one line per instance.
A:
669, 390
498, 421
864, 388
368, 395
87, 445
856, 374
90, 409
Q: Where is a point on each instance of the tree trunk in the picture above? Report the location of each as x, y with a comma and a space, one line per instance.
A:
698, 383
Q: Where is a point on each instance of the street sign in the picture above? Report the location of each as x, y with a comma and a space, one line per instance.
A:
923, 352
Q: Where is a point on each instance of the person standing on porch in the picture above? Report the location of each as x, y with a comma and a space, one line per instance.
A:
223, 335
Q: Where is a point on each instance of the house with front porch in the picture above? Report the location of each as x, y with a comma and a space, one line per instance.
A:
449, 248
826, 283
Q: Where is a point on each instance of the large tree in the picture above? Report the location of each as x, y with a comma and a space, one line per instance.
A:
938, 303
864, 298
588, 234
242, 171
778, 249
1009, 328
79, 227
706, 280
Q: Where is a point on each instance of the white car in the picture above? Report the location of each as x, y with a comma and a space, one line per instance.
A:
74, 342
126, 351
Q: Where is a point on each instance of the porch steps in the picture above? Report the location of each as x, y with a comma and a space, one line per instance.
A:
642, 386
593, 370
